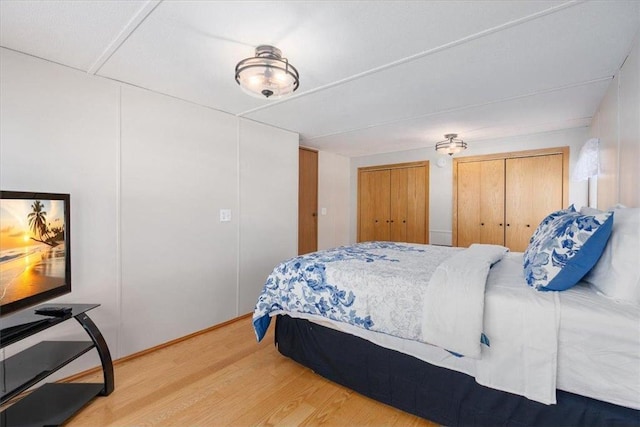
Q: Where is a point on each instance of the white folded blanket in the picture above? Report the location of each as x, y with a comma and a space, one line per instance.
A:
454, 300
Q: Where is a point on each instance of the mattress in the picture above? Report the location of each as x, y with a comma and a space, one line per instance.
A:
598, 339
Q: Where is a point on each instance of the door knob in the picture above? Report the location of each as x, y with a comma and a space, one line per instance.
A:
482, 223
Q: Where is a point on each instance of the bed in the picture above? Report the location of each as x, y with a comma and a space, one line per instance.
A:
457, 337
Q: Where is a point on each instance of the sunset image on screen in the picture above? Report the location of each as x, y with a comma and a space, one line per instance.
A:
32, 247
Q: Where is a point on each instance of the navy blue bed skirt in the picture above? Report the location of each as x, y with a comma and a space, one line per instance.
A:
438, 394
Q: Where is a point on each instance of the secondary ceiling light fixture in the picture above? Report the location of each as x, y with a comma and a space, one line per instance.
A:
268, 74
451, 145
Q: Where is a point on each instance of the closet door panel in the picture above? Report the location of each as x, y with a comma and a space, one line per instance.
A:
366, 190
399, 202
381, 201
469, 201
481, 202
534, 188
416, 212
492, 202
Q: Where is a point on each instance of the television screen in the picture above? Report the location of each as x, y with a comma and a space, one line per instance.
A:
35, 256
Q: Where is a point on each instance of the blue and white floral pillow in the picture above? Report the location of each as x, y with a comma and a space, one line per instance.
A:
564, 249
553, 215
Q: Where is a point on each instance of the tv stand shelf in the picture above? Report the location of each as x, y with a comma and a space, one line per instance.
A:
50, 404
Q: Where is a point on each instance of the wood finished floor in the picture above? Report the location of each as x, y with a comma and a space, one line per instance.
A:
224, 378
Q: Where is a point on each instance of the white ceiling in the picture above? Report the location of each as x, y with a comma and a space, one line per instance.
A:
375, 76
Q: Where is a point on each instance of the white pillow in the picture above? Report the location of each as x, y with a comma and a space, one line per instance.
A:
617, 272
586, 210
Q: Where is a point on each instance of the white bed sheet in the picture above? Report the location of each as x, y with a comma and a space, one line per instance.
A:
598, 341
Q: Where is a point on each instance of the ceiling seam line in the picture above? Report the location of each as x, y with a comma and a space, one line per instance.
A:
129, 28
421, 147
133, 85
422, 54
537, 132
129, 84
168, 95
43, 59
455, 109
575, 119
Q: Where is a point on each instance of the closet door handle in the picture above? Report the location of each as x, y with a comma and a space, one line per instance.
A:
508, 225
528, 225
376, 220
500, 224
482, 223
387, 221
404, 221
391, 221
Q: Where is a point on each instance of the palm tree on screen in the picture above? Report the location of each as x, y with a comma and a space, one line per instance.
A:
38, 223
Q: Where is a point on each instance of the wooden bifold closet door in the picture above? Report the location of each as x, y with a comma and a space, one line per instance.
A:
481, 207
500, 199
376, 208
534, 189
393, 203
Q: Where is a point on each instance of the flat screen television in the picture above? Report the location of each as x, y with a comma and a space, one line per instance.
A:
35, 250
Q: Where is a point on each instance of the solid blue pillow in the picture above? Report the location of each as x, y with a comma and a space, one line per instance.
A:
565, 249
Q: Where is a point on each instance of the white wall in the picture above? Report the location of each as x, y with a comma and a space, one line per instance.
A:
333, 200
178, 259
617, 125
148, 175
268, 197
441, 179
59, 133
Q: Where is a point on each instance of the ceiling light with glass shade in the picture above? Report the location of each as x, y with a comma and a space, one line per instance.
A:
268, 74
451, 145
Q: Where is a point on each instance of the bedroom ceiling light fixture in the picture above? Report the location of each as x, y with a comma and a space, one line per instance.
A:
268, 74
451, 145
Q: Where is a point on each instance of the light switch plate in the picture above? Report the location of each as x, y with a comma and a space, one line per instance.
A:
225, 215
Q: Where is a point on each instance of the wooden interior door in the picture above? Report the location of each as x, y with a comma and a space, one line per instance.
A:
534, 188
480, 202
307, 201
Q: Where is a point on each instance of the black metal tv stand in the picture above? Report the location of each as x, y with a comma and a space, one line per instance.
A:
53, 403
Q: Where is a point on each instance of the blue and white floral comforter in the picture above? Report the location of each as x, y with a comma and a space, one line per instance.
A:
381, 286
373, 285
